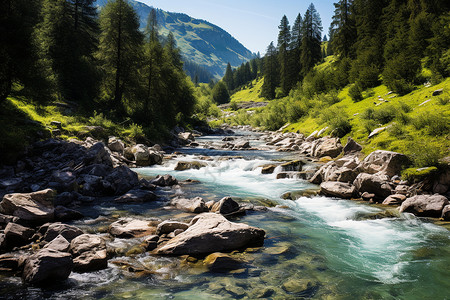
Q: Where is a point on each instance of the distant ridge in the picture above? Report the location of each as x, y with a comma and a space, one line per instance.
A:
200, 42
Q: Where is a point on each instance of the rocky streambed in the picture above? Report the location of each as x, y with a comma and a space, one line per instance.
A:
231, 215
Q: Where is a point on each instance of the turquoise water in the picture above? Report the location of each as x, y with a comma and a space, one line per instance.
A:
318, 247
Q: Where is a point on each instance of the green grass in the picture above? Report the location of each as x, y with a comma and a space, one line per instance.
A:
251, 93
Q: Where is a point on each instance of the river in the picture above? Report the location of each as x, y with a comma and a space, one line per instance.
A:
316, 247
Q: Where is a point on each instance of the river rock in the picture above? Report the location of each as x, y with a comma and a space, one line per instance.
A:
47, 266
239, 145
67, 181
170, 226
373, 183
136, 196
89, 251
384, 162
396, 199
268, 169
327, 147
58, 244
151, 242
17, 235
10, 262
115, 144
166, 180
221, 263
292, 166
141, 155
209, 233
196, 205
66, 214
337, 189
98, 154
351, 146
52, 230
129, 228
122, 179
225, 206
34, 207
187, 165
425, 205
446, 213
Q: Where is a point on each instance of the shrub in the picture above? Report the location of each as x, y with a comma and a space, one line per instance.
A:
135, 132
369, 77
385, 114
396, 130
338, 121
355, 92
434, 124
424, 153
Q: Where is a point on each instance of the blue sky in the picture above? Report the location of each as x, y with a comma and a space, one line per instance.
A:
253, 22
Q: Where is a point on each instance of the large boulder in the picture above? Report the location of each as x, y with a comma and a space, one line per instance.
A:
141, 155
51, 231
17, 235
115, 144
196, 205
376, 184
58, 244
136, 196
225, 206
129, 228
89, 252
122, 179
337, 189
384, 162
209, 233
425, 205
327, 147
34, 207
351, 146
47, 266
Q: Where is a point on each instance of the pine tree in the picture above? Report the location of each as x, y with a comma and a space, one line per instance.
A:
296, 42
271, 78
119, 53
228, 78
19, 57
254, 65
344, 26
311, 52
284, 41
68, 36
220, 93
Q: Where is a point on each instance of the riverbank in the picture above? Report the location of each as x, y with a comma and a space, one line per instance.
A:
123, 230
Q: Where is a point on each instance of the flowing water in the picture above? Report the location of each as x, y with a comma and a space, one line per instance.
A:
316, 247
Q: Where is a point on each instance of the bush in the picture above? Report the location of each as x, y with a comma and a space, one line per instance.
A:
401, 87
382, 115
355, 92
434, 124
396, 130
338, 121
369, 77
425, 153
135, 132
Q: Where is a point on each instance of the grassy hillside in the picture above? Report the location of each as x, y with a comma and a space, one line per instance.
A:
22, 123
199, 41
417, 124
250, 92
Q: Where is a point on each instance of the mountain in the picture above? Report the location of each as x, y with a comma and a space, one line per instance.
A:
200, 42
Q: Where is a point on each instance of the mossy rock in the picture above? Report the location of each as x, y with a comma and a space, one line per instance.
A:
416, 175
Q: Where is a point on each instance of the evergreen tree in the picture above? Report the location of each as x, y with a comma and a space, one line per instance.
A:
296, 42
254, 65
247, 72
228, 78
311, 51
284, 40
119, 53
220, 93
271, 78
173, 51
344, 26
68, 37
19, 57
